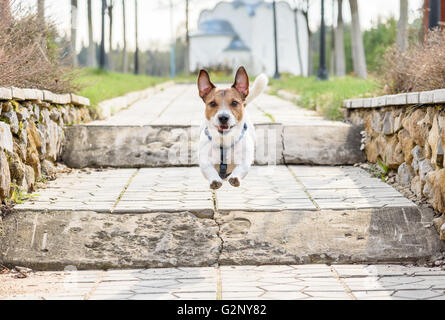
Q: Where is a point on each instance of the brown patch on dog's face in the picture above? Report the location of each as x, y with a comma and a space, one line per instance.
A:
230, 98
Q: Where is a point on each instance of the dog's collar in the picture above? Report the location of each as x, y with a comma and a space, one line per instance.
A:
243, 131
223, 166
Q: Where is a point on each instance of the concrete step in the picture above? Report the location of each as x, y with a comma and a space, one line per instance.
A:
166, 145
164, 131
165, 217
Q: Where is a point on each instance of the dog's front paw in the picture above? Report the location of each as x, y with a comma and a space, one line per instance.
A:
215, 185
234, 181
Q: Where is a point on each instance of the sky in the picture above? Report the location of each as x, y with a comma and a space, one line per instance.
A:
155, 23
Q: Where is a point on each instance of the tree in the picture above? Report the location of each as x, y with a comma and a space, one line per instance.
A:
102, 41
91, 57
340, 60
41, 10
304, 6
358, 51
332, 42
110, 34
187, 39
136, 54
125, 57
74, 32
402, 26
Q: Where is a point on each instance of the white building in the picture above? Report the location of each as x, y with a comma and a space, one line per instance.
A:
242, 33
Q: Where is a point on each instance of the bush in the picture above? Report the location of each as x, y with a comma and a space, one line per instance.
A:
420, 68
29, 57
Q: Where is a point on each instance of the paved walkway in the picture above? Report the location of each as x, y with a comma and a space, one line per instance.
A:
300, 282
181, 105
270, 188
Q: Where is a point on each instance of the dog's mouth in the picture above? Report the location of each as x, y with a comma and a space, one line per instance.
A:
224, 128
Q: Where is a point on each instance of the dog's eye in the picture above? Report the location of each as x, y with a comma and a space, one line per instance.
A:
213, 104
234, 103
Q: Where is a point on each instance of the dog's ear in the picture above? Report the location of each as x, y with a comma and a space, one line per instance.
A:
241, 82
204, 83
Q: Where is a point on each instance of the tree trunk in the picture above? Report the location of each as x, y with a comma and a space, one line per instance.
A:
310, 64
358, 51
402, 26
110, 35
187, 39
340, 60
136, 53
41, 10
102, 42
332, 57
125, 57
74, 32
91, 59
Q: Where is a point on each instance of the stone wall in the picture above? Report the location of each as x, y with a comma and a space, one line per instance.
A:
31, 134
406, 132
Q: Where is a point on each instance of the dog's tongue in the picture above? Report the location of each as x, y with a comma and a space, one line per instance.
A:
222, 128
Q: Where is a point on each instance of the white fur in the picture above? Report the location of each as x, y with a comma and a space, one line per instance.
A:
241, 154
258, 87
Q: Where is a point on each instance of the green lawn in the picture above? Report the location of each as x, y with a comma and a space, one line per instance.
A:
326, 97
99, 85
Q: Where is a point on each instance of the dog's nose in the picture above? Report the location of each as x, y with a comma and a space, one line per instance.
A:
223, 118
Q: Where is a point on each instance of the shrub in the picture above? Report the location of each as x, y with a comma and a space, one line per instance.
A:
29, 56
420, 68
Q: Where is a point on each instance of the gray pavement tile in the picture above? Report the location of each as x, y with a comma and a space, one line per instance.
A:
418, 294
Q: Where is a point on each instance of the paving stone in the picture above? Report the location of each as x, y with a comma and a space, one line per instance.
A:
231, 285
374, 295
325, 295
418, 294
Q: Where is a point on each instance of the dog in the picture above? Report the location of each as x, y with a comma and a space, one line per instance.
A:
227, 138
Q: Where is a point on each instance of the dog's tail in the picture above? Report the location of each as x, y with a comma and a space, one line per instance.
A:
258, 87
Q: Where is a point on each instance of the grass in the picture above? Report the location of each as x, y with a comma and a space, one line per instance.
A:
99, 85
326, 97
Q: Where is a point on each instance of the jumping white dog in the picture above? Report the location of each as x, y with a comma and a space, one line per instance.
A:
227, 140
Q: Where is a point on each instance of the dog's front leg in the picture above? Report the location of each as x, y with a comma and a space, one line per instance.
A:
206, 165
238, 173
209, 171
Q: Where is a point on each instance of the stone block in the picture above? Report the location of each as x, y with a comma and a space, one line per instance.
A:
18, 93
269, 145
79, 100
6, 142
62, 98
357, 103
5, 177
379, 101
5, 93
97, 241
333, 236
367, 102
331, 144
49, 96
439, 96
405, 174
412, 98
426, 97
32, 94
